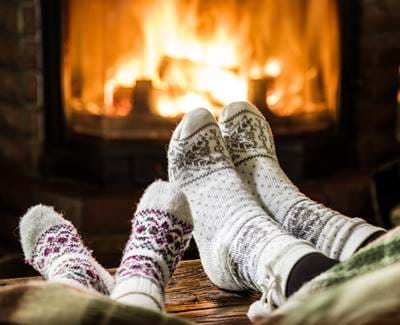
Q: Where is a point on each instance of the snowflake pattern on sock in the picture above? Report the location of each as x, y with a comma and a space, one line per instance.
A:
250, 143
60, 254
234, 235
246, 137
198, 155
157, 243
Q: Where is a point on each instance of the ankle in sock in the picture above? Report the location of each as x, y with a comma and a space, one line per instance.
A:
54, 248
161, 230
237, 240
307, 269
251, 146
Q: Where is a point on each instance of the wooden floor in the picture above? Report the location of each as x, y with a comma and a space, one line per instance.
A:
191, 295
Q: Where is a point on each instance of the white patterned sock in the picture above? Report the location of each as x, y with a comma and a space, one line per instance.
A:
161, 230
251, 147
236, 238
54, 248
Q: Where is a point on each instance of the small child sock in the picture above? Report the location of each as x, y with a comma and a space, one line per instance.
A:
54, 248
161, 230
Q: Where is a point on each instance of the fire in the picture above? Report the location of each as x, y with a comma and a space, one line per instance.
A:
273, 68
201, 53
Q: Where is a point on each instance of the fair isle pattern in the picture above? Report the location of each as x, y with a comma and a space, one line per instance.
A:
250, 143
63, 242
161, 234
198, 155
235, 236
307, 220
244, 135
259, 230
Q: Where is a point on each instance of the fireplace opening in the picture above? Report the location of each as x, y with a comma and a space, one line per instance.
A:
136, 66
116, 85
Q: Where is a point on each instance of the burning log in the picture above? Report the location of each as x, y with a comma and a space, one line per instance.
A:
142, 97
257, 93
188, 70
182, 76
121, 101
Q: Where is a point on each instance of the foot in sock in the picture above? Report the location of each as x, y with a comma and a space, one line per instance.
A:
240, 246
251, 147
161, 230
53, 247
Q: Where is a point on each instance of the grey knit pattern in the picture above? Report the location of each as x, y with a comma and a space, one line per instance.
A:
230, 228
250, 143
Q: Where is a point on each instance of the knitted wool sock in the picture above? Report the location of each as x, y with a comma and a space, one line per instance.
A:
161, 231
53, 247
251, 147
240, 246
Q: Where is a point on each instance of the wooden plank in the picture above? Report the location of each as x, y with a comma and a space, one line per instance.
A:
191, 295
221, 315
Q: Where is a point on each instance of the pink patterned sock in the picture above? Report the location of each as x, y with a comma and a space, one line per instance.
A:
54, 248
161, 230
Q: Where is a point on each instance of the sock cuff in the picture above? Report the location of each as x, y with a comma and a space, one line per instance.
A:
283, 263
166, 197
138, 285
357, 237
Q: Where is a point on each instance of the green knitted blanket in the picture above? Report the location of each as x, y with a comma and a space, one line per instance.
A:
39, 302
365, 289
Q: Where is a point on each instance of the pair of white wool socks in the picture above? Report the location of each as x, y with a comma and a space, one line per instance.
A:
161, 230
230, 182
240, 246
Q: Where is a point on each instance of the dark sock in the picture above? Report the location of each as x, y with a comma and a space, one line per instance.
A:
306, 269
314, 264
370, 239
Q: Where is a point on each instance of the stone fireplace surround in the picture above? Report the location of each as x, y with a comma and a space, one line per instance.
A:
102, 211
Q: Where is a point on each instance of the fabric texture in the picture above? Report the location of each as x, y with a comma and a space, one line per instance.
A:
237, 240
54, 248
40, 302
365, 289
161, 230
249, 140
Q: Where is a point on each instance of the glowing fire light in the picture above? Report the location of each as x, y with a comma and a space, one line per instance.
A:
273, 68
273, 98
201, 53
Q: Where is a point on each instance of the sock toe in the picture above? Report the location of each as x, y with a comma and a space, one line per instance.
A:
165, 196
232, 109
35, 221
193, 121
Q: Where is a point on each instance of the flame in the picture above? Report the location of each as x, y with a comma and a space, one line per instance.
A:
273, 68
201, 53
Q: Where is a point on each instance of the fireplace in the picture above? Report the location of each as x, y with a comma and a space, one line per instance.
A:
84, 122
122, 80
136, 67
